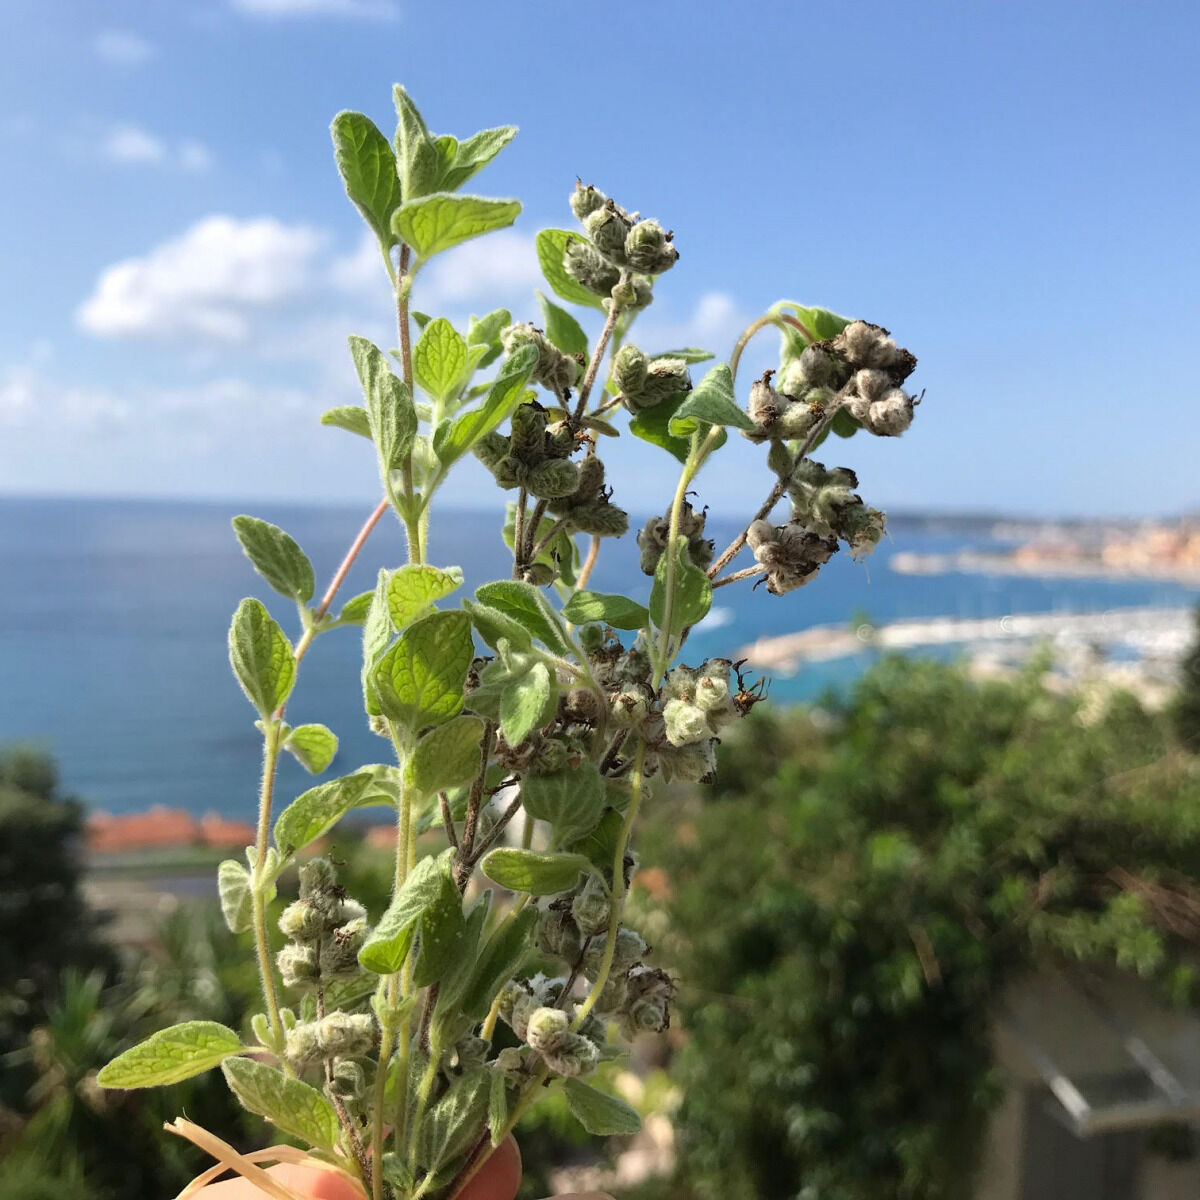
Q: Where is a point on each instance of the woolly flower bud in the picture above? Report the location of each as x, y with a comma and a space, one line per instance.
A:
579, 706
349, 1079
339, 951
818, 368
713, 692
632, 294
591, 908
589, 269
653, 537
891, 415
573, 1055
791, 554
629, 706
490, 449
648, 248
765, 404
558, 935
865, 345
346, 1035
685, 723
302, 921
797, 419
470, 1052
553, 479
554, 370
585, 199
608, 230
870, 384
613, 995
545, 1027
629, 369
316, 876
297, 965
863, 529
539, 574
695, 763
510, 1062
302, 1046
629, 949
649, 993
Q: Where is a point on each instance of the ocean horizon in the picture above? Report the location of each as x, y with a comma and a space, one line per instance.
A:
113, 645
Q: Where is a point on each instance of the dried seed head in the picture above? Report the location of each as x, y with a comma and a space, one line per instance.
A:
791, 554
862, 344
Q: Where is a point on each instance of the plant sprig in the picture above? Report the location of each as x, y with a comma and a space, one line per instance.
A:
536, 696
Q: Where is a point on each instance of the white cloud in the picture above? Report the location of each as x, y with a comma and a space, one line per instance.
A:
361, 272
132, 144
373, 10
122, 48
495, 266
194, 156
29, 397
205, 283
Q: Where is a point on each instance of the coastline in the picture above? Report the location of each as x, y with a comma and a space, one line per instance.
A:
1154, 633
975, 562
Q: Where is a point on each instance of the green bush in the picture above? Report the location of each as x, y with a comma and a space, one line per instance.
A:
863, 883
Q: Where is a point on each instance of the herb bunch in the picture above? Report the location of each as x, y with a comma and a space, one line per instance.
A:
401, 1047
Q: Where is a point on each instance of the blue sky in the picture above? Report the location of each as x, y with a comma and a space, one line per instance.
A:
1012, 188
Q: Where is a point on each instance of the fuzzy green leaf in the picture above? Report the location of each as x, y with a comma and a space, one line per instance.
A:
412, 589
689, 354
313, 747
453, 984
316, 811
367, 166
440, 359
711, 402
618, 611
354, 611
261, 657
420, 679
276, 557
455, 1120
653, 425
492, 625
474, 154
287, 1103
692, 592
441, 930
562, 329
499, 961
237, 901
389, 942
600, 846
551, 245
497, 1107
439, 221
523, 702
598, 1112
503, 396
351, 417
447, 756
390, 411
377, 633
539, 874
171, 1054
417, 159
572, 801
526, 605
485, 332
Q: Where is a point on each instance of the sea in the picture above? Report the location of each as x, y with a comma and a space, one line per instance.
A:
115, 613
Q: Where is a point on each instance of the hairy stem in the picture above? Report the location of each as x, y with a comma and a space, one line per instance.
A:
618, 889
531, 528
519, 532
776, 494
738, 576
258, 892
743, 341
589, 379
589, 564
551, 534
463, 858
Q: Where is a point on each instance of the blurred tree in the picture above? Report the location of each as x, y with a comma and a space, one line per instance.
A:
1187, 702
861, 885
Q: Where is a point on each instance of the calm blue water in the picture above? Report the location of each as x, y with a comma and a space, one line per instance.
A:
112, 639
